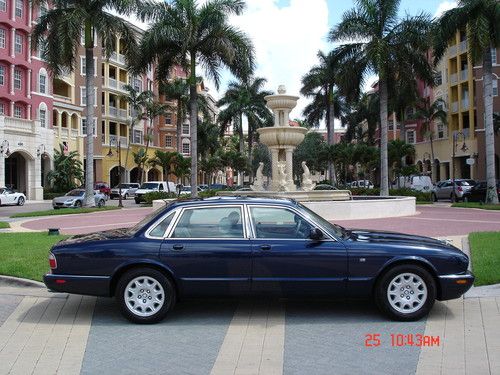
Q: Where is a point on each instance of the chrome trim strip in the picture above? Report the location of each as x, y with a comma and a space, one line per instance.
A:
77, 276
467, 275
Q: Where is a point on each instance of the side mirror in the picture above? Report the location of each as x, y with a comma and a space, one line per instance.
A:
316, 234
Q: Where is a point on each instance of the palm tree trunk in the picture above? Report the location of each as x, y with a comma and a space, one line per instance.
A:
432, 156
241, 146
130, 135
331, 135
180, 120
491, 192
193, 119
384, 167
143, 165
89, 87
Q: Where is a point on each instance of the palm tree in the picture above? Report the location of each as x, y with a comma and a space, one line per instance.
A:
382, 43
166, 160
481, 21
398, 150
188, 34
208, 138
140, 158
178, 90
59, 32
210, 165
429, 113
67, 170
245, 98
137, 102
321, 84
182, 167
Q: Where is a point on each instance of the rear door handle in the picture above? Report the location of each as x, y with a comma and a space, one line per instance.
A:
178, 247
265, 247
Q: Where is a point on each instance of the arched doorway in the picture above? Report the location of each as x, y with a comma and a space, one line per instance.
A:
420, 166
134, 174
16, 172
114, 176
428, 167
437, 168
153, 175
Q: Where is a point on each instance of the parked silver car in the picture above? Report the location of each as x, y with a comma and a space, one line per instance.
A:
75, 198
444, 189
128, 190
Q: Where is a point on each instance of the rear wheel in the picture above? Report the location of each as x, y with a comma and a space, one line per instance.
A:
405, 292
20, 201
434, 197
101, 203
145, 295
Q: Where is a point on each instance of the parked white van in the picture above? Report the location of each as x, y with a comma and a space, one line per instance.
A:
418, 183
148, 187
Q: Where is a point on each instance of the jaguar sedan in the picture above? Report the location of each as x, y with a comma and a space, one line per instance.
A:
236, 246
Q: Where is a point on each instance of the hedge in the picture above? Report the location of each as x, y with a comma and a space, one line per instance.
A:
404, 192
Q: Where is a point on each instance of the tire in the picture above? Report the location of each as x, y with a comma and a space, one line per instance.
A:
20, 201
125, 196
434, 197
141, 312
101, 203
417, 305
137, 201
78, 204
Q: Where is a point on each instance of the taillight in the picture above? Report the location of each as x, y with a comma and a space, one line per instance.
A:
460, 189
52, 261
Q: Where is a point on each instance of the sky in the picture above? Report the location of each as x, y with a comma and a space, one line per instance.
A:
287, 34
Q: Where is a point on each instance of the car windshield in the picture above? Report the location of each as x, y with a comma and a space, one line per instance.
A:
464, 183
337, 230
186, 188
122, 186
76, 193
149, 185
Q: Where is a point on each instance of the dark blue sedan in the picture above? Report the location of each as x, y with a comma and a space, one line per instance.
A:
241, 246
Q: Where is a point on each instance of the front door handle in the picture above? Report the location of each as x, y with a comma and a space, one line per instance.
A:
178, 247
265, 247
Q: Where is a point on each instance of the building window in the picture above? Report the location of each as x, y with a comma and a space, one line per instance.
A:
18, 111
137, 84
3, 5
2, 38
83, 96
19, 8
19, 43
185, 129
410, 137
43, 118
17, 79
84, 126
2, 109
168, 141
2, 75
186, 148
493, 55
495, 87
168, 118
440, 130
43, 83
137, 137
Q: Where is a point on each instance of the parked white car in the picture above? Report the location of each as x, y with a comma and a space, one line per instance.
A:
418, 183
9, 196
128, 190
150, 186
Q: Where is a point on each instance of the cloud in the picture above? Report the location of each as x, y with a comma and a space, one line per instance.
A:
286, 39
444, 6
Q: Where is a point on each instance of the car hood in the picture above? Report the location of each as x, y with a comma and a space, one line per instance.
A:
362, 235
99, 236
63, 199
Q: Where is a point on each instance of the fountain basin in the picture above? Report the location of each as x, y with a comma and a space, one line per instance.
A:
282, 136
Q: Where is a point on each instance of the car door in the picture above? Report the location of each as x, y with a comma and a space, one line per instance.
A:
208, 251
10, 196
287, 262
445, 190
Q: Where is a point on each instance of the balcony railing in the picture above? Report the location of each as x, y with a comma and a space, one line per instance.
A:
113, 111
464, 74
74, 133
454, 107
117, 57
465, 104
453, 78
113, 140
463, 46
452, 50
18, 124
112, 83
122, 113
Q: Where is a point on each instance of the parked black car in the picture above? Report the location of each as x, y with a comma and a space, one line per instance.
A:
478, 192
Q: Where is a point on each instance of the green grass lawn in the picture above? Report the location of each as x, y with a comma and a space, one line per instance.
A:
476, 205
4, 225
65, 211
423, 202
25, 254
485, 253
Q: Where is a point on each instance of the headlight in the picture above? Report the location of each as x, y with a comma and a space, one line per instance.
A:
69, 201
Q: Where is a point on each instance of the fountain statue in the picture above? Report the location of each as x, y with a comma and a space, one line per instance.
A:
307, 184
258, 183
282, 139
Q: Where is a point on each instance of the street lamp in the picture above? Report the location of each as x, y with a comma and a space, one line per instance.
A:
464, 148
110, 154
5, 144
40, 150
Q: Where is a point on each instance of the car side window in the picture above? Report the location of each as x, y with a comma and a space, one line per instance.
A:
161, 227
210, 222
274, 222
160, 188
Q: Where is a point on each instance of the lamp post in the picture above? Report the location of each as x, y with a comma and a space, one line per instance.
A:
40, 150
110, 154
427, 157
464, 148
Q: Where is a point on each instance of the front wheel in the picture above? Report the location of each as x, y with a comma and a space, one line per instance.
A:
145, 295
101, 203
434, 197
78, 204
406, 292
20, 201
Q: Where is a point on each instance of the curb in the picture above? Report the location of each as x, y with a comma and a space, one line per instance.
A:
18, 281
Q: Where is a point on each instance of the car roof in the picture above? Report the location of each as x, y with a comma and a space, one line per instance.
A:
236, 199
